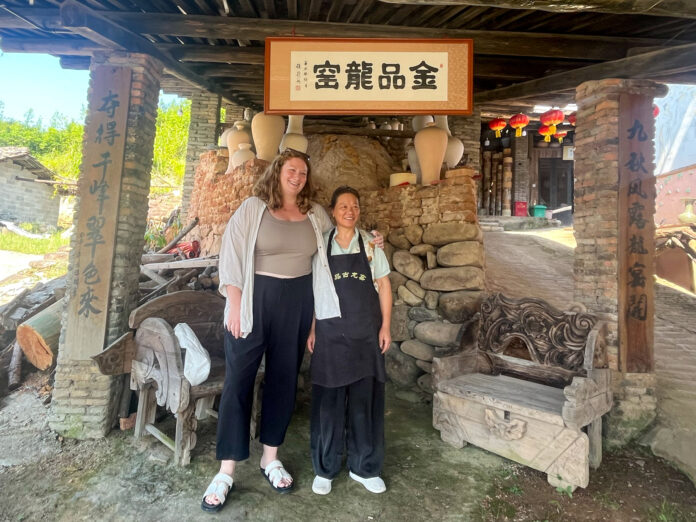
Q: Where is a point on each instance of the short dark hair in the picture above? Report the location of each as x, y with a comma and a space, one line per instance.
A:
343, 189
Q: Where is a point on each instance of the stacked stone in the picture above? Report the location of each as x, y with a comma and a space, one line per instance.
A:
437, 280
216, 195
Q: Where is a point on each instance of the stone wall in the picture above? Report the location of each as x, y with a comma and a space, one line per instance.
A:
435, 248
22, 201
84, 400
217, 195
205, 114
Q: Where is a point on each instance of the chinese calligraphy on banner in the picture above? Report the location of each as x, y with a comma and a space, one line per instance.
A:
360, 76
99, 191
636, 233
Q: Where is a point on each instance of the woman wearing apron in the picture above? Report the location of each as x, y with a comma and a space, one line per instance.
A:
348, 355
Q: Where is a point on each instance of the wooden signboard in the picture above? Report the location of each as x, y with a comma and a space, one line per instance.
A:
368, 76
99, 191
636, 249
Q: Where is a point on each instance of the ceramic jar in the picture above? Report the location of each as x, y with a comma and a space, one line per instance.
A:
419, 122
240, 133
688, 215
243, 154
431, 146
267, 130
455, 147
413, 162
293, 137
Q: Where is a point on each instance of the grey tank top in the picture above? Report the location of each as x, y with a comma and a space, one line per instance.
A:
284, 247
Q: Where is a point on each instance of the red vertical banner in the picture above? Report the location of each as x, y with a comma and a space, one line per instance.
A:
636, 247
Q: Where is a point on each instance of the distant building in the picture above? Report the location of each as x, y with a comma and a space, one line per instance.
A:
672, 188
26, 201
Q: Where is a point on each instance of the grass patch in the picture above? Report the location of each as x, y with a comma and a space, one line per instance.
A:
26, 245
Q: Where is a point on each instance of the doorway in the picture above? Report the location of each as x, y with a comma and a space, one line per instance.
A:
555, 182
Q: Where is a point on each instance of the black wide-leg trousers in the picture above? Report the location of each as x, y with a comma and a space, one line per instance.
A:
283, 310
348, 418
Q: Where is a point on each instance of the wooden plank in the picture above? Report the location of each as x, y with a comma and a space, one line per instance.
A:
666, 61
153, 275
160, 436
100, 188
636, 248
187, 306
673, 8
200, 262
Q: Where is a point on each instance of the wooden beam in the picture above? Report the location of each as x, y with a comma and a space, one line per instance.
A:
93, 25
62, 47
541, 45
487, 42
673, 8
80, 63
674, 60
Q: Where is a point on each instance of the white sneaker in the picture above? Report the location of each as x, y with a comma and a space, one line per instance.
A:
373, 485
321, 485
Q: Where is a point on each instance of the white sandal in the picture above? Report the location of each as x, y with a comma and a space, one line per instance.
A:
275, 473
220, 486
373, 485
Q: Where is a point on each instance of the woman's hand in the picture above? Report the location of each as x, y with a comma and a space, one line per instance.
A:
379, 238
233, 321
384, 338
312, 337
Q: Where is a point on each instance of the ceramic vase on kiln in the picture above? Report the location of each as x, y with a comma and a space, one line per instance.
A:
455, 147
293, 137
267, 130
413, 162
419, 122
431, 146
243, 154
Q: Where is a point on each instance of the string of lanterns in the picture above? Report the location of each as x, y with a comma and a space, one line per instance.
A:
549, 122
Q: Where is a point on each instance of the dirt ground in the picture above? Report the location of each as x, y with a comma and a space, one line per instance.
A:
44, 477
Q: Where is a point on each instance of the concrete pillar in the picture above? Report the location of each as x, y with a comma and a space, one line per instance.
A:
603, 223
84, 400
205, 115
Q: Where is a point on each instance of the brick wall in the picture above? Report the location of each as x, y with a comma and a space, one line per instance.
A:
468, 129
84, 400
205, 114
22, 201
520, 174
671, 187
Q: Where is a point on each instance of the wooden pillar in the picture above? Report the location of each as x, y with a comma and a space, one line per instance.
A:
506, 209
110, 219
486, 182
496, 183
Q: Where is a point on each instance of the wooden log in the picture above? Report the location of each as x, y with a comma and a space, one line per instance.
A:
178, 237
156, 258
38, 336
153, 275
15, 368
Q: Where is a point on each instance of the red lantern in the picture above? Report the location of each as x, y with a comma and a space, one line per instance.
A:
572, 118
546, 132
497, 125
552, 118
560, 135
656, 110
517, 122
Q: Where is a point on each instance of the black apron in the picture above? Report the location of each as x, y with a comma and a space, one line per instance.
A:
347, 347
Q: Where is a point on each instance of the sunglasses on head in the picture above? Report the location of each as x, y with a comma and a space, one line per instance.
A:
299, 153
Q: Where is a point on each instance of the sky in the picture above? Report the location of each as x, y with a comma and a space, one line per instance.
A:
36, 81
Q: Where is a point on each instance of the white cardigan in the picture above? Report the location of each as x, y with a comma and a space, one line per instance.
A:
237, 261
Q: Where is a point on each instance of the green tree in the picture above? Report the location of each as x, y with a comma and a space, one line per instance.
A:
169, 158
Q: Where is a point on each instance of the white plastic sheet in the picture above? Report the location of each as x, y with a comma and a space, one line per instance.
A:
196, 359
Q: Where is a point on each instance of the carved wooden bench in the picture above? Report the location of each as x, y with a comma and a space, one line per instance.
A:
152, 355
532, 387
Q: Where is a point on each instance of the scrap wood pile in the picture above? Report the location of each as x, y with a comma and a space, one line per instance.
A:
683, 238
30, 324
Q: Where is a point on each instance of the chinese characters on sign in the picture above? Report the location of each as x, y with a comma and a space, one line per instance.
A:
368, 76
99, 195
636, 235
381, 76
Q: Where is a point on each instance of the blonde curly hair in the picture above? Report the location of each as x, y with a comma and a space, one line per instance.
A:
267, 188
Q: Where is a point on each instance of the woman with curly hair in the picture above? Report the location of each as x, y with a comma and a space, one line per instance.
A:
272, 289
